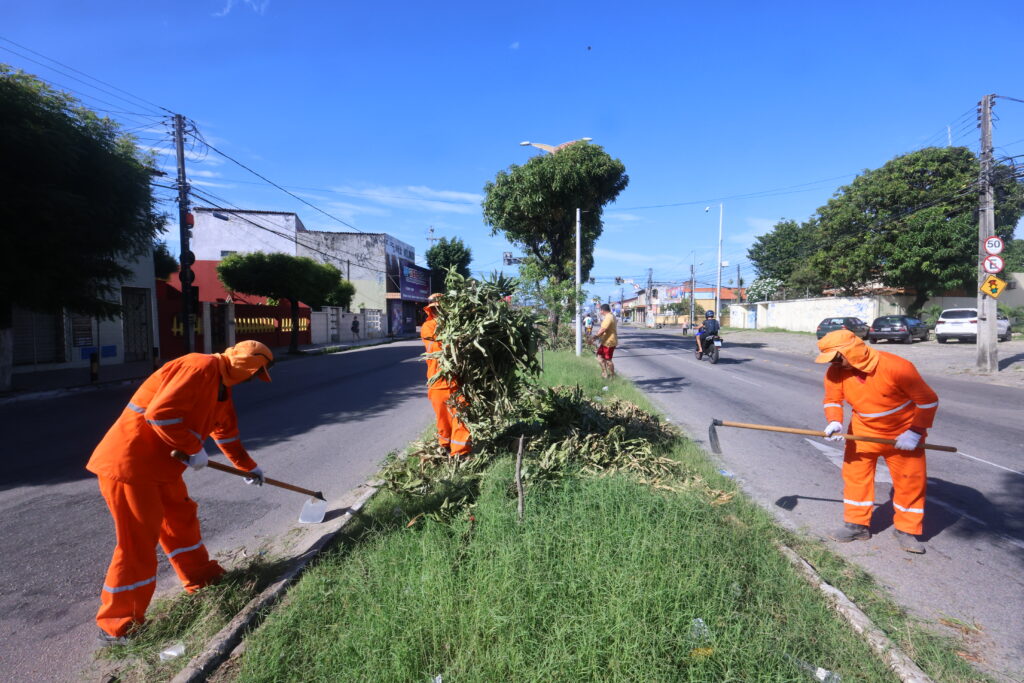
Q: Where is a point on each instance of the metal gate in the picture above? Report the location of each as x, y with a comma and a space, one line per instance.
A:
38, 337
138, 339
219, 327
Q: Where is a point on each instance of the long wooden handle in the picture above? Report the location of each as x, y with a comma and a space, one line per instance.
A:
242, 473
812, 432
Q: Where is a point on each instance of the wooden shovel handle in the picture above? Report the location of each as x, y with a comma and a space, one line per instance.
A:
812, 432
242, 473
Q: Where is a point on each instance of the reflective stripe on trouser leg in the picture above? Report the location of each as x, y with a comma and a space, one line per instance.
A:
182, 540
438, 398
460, 434
858, 485
909, 480
131, 577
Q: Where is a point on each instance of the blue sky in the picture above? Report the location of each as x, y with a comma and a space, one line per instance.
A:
393, 116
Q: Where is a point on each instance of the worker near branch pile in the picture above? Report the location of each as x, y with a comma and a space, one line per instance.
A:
176, 408
452, 433
889, 400
607, 338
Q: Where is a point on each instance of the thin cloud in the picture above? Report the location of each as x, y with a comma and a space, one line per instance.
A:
624, 217
207, 183
418, 198
257, 6
514, 46
762, 226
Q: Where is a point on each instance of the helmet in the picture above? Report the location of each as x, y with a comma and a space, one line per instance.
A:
709, 314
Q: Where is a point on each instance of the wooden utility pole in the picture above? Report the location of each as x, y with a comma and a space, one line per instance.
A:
185, 274
988, 354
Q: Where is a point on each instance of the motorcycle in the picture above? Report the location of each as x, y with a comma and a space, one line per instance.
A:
711, 343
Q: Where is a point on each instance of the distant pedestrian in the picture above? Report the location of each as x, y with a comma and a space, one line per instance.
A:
355, 329
608, 339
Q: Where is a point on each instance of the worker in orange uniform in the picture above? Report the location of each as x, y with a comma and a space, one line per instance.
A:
452, 434
890, 400
176, 408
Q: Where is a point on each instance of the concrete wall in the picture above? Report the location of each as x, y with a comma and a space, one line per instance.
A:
213, 236
359, 256
803, 315
332, 325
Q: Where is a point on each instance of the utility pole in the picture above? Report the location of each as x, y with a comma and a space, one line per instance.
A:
576, 294
693, 267
739, 284
184, 230
649, 308
988, 354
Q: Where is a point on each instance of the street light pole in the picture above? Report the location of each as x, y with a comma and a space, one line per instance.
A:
576, 294
718, 290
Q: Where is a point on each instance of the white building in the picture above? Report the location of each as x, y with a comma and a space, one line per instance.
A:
381, 267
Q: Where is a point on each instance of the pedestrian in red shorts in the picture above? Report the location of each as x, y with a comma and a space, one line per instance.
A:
608, 340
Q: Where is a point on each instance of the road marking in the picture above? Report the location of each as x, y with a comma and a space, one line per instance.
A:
835, 456
744, 379
990, 463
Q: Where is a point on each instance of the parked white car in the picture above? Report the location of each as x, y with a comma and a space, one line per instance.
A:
962, 324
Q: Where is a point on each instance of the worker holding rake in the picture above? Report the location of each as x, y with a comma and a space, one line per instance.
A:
452, 433
175, 409
889, 400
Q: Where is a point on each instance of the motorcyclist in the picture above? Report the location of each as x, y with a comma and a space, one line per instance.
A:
709, 328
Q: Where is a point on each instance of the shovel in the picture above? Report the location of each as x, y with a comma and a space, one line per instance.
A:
716, 447
313, 512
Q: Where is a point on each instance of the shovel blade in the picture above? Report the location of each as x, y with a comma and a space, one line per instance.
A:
313, 512
716, 448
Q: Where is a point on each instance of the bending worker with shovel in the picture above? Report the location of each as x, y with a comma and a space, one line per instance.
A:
175, 409
889, 400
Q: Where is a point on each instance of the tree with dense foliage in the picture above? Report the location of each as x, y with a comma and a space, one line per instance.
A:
534, 206
1013, 256
448, 254
342, 295
164, 263
281, 276
912, 224
785, 251
77, 206
764, 289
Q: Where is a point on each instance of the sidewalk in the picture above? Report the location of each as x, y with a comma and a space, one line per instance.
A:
54, 383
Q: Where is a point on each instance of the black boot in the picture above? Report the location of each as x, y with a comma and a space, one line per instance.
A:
850, 532
909, 542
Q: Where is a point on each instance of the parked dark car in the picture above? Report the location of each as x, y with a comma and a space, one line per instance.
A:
855, 325
898, 328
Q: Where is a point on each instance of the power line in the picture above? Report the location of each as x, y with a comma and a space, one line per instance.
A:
271, 182
39, 54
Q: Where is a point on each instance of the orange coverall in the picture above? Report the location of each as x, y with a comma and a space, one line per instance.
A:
452, 434
177, 407
888, 397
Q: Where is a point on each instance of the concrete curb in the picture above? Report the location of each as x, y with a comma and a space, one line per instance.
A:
204, 664
902, 665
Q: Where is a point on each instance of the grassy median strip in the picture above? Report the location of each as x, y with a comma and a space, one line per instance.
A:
606, 578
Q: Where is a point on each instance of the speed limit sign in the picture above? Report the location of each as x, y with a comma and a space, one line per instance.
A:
992, 265
993, 245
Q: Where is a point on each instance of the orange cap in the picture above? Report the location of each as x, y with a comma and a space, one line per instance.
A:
252, 356
851, 346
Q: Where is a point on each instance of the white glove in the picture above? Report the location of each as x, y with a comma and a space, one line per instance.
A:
908, 440
198, 460
834, 430
256, 476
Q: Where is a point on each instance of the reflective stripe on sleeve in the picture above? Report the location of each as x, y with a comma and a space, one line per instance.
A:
919, 511
178, 551
137, 584
459, 443
162, 423
926, 405
221, 442
833, 405
135, 408
859, 503
887, 412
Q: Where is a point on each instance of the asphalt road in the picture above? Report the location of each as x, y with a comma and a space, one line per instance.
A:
974, 523
325, 422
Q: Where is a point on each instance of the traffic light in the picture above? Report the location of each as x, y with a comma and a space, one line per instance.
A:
618, 280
